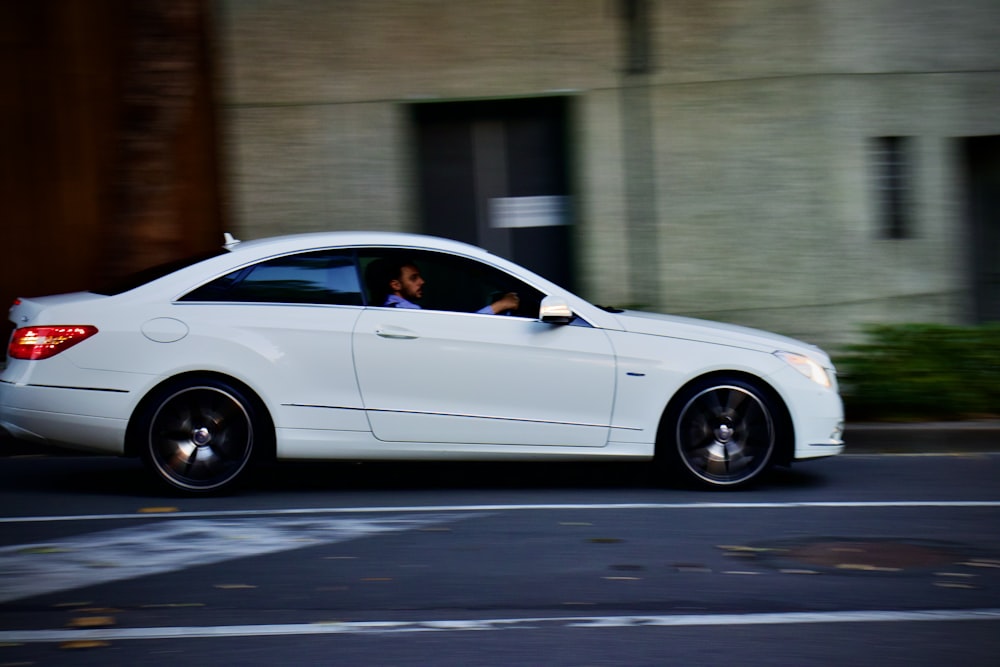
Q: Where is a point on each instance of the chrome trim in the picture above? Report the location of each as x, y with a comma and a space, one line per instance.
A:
465, 416
525, 420
56, 386
322, 407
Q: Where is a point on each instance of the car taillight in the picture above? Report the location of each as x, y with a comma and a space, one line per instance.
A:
44, 342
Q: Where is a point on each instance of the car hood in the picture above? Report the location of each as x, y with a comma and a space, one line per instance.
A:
718, 333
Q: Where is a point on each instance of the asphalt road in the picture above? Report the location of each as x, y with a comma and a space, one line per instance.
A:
864, 559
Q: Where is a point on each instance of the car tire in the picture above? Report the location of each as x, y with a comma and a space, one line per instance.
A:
202, 435
721, 432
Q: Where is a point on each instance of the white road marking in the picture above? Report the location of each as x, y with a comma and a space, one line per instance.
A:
889, 504
65, 563
530, 623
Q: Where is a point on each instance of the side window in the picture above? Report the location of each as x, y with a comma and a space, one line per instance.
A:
449, 282
325, 277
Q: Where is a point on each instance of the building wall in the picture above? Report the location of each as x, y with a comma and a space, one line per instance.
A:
730, 180
107, 147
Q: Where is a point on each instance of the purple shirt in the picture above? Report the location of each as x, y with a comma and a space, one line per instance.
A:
396, 301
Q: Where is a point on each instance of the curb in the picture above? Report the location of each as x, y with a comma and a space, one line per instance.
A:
923, 438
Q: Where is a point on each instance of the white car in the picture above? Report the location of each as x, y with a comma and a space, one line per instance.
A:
284, 348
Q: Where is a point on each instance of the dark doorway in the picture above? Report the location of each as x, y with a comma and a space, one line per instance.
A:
981, 156
495, 174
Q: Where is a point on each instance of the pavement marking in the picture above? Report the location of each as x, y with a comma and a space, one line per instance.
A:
66, 563
530, 623
421, 509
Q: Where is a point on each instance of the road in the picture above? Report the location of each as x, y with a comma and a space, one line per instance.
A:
861, 559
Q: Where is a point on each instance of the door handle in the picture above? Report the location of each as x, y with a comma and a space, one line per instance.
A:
394, 334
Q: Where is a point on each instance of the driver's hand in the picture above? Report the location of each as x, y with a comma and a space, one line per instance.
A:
509, 301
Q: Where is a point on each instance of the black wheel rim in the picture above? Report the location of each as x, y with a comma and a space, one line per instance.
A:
201, 438
725, 435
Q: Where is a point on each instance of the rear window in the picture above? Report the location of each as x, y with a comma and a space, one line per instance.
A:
324, 277
140, 278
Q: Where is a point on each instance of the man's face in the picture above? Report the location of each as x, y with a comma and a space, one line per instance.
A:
410, 284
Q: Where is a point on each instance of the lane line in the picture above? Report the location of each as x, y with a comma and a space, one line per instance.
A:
889, 504
530, 623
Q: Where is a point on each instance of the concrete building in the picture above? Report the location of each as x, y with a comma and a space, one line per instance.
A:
806, 166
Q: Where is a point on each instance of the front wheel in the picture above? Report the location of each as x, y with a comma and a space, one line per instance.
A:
200, 435
722, 433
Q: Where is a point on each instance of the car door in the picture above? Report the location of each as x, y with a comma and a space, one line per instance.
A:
446, 376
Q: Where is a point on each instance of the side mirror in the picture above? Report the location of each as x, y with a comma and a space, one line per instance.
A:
555, 311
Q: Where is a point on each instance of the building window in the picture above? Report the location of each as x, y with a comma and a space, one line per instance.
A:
892, 158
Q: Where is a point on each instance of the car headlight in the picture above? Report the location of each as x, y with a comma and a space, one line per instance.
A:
808, 367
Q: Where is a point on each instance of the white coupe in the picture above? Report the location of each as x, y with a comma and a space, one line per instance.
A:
288, 348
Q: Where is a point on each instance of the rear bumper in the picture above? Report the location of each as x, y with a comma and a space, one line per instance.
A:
26, 413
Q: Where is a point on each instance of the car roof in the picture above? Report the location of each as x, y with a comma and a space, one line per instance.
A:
302, 241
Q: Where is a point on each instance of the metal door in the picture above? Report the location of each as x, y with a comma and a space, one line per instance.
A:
495, 174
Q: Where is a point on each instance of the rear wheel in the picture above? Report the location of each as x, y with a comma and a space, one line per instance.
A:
201, 435
723, 433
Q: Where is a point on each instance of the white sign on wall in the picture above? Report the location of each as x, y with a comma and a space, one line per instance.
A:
517, 212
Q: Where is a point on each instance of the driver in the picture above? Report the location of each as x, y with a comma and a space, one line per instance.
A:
401, 283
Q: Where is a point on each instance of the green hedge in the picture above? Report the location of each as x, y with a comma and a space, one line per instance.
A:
922, 372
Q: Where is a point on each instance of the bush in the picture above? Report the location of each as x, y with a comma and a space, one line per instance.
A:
922, 372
